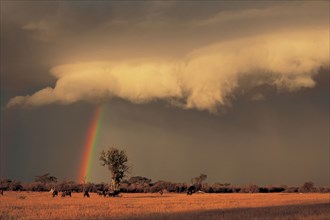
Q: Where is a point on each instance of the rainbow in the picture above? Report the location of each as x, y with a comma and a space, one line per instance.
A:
91, 142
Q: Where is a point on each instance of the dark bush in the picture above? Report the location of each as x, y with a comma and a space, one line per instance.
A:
271, 189
307, 187
323, 189
291, 189
251, 188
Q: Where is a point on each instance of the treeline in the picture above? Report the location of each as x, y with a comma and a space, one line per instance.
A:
145, 185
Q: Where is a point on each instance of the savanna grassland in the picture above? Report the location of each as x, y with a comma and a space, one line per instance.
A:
40, 205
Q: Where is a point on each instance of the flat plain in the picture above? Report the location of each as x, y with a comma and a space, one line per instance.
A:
41, 205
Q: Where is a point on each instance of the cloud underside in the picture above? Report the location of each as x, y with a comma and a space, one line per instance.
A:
204, 79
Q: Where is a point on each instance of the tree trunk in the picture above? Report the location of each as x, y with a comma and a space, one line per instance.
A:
114, 185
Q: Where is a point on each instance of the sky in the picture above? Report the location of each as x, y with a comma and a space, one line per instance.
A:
238, 90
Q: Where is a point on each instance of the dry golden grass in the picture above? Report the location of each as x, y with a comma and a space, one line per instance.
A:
34, 205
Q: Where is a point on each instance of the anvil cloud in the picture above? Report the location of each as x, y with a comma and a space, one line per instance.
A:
204, 79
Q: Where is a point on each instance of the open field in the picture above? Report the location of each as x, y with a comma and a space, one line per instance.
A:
35, 205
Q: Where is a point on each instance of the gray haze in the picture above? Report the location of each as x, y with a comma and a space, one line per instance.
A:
237, 90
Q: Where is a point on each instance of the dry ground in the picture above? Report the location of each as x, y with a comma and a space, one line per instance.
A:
34, 205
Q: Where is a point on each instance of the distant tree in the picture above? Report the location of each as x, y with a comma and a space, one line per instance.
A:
45, 178
291, 189
250, 188
5, 183
139, 180
199, 179
307, 187
8, 184
163, 185
116, 161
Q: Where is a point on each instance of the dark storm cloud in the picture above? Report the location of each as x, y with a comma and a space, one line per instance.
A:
44, 140
281, 140
56, 52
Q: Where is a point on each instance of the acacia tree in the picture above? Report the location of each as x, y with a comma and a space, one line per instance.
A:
46, 178
199, 179
116, 161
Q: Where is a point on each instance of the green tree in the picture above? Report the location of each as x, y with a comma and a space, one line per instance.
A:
116, 161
